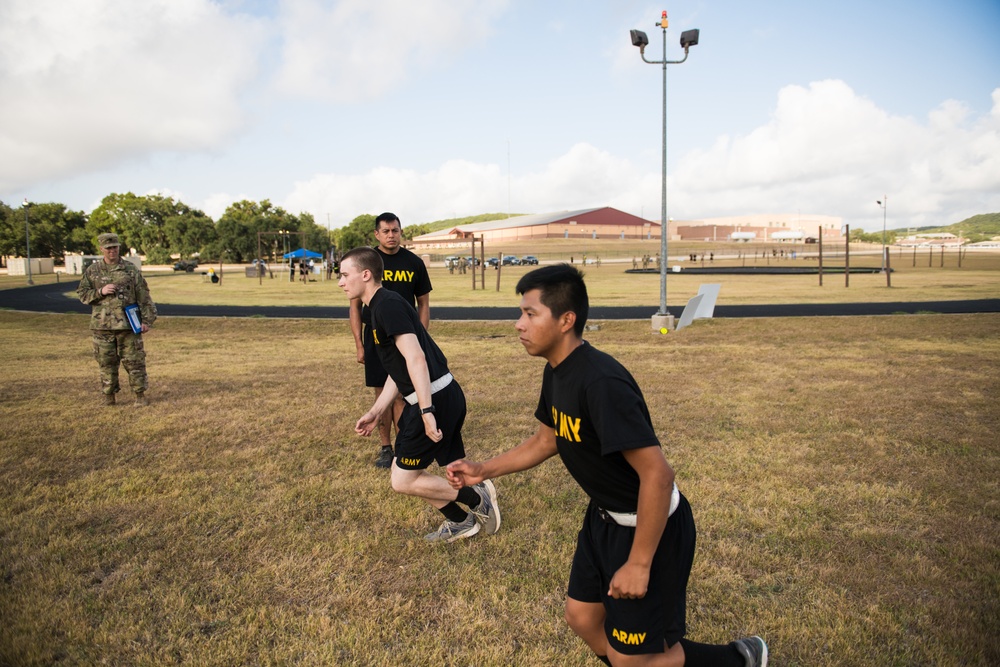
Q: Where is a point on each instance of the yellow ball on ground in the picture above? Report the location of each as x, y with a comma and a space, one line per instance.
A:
663, 330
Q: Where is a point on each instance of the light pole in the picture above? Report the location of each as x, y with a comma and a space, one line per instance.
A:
883, 204
27, 238
663, 319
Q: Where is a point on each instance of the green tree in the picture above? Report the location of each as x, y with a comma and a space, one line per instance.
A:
154, 225
416, 230
317, 238
237, 229
54, 230
861, 236
8, 231
137, 222
360, 232
188, 231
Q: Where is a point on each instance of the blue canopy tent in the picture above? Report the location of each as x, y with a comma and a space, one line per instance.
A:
302, 253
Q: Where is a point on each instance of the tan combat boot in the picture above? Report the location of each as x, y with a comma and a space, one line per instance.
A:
109, 399
140, 398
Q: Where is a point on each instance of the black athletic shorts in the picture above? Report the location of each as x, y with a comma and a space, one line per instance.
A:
636, 626
375, 375
414, 450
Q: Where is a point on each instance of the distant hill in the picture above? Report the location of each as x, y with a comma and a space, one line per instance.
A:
982, 227
454, 222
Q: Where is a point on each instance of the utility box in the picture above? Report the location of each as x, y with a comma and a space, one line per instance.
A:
18, 266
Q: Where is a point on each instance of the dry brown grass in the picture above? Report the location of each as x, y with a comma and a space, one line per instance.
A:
978, 277
842, 473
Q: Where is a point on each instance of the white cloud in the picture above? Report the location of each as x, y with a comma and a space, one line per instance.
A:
824, 151
216, 203
827, 150
89, 84
355, 50
455, 189
584, 177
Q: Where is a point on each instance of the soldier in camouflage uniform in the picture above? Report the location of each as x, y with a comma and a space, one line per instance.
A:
108, 286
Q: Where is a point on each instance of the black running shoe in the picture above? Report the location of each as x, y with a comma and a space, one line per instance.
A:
384, 459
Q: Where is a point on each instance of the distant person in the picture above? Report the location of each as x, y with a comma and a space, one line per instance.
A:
628, 583
108, 286
405, 274
430, 427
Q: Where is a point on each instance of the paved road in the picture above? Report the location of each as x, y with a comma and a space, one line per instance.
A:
50, 298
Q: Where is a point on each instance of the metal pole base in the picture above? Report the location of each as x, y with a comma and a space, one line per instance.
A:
662, 322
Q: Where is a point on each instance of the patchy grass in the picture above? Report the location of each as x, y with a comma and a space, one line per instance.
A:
977, 278
842, 473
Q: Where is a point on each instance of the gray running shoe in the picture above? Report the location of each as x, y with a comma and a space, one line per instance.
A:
754, 651
384, 459
488, 511
449, 531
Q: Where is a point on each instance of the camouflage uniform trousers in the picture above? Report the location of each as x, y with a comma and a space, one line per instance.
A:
112, 347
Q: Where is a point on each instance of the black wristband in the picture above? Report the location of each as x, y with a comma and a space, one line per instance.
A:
426, 410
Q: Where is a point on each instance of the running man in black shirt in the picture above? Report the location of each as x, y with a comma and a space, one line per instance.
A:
430, 426
404, 273
627, 587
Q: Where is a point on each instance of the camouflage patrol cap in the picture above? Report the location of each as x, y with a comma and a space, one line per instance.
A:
108, 240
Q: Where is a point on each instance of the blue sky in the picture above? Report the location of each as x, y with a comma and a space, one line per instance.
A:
447, 108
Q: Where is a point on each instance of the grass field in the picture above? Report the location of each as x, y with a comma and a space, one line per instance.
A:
843, 473
978, 277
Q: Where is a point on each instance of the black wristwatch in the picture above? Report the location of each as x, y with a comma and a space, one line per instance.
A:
427, 410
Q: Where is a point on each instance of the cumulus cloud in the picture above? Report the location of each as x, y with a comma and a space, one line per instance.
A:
581, 178
455, 189
354, 50
89, 84
828, 150
825, 150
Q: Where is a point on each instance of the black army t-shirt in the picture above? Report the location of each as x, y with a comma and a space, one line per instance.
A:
391, 317
403, 273
597, 410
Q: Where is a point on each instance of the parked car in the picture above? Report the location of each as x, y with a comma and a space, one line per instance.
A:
529, 259
492, 261
510, 260
188, 265
451, 261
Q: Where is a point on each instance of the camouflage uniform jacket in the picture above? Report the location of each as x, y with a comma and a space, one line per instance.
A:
108, 312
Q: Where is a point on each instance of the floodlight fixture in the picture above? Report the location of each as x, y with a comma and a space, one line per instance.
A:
689, 38
639, 39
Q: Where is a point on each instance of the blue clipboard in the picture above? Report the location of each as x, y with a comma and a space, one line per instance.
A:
133, 317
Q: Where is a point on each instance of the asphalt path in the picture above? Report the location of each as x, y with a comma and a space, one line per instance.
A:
52, 298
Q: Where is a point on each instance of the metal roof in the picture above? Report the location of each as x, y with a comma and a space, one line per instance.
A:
508, 223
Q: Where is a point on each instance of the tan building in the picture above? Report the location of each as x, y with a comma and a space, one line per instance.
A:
610, 223
773, 227
589, 223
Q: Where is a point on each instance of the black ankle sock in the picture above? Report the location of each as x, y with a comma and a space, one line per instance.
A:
453, 512
710, 655
468, 496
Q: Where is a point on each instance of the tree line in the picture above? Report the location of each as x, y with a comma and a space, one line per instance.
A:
161, 228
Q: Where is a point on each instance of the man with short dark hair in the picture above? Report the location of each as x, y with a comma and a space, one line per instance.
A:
405, 274
429, 429
628, 583
110, 286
